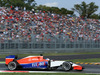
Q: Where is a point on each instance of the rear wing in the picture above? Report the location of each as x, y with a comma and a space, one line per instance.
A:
10, 58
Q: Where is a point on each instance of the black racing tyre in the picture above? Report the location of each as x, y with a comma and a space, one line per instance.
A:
66, 66
12, 65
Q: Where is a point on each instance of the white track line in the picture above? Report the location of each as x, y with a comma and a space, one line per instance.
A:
2, 71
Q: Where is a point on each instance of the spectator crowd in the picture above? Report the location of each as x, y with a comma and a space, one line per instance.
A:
36, 25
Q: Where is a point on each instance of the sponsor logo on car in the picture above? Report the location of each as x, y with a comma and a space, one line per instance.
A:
38, 64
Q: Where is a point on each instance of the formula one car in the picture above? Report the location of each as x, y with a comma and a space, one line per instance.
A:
37, 62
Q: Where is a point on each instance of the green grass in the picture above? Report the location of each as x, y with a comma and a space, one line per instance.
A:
54, 54
49, 54
79, 60
46, 74
2, 62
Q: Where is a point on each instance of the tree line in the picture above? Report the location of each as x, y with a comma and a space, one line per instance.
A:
56, 10
84, 10
29, 4
87, 10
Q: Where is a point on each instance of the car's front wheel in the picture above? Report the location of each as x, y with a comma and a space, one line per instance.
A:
66, 66
12, 65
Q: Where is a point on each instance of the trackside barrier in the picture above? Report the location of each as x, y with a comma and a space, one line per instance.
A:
40, 47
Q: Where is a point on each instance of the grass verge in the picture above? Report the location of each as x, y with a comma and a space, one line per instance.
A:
2, 62
46, 74
79, 60
48, 54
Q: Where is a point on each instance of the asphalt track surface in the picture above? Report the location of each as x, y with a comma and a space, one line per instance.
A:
69, 57
87, 68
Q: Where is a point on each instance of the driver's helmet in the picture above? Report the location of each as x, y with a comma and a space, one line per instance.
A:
47, 59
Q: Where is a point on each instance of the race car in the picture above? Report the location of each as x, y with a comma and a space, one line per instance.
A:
38, 62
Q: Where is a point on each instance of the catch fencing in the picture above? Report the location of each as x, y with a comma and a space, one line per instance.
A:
51, 46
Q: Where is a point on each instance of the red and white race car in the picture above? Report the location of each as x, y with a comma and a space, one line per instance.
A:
37, 62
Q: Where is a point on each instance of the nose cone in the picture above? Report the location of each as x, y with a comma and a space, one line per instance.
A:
77, 67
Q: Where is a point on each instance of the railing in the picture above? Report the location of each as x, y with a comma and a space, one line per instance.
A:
44, 46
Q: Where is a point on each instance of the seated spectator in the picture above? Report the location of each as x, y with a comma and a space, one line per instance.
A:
45, 26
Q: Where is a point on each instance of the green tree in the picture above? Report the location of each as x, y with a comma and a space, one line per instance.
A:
30, 2
56, 10
63, 11
95, 16
20, 3
85, 10
91, 9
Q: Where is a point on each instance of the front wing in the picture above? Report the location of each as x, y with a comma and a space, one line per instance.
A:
59, 63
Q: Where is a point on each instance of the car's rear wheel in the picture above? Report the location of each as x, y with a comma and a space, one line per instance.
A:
12, 65
66, 66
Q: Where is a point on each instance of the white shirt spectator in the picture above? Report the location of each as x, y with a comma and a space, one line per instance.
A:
24, 8
16, 8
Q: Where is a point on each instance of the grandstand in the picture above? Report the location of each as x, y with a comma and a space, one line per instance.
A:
21, 29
